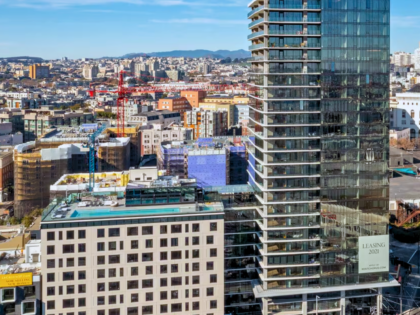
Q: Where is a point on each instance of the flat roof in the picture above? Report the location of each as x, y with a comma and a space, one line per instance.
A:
404, 187
395, 152
99, 206
261, 293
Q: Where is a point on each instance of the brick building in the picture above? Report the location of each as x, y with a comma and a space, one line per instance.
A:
174, 104
194, 97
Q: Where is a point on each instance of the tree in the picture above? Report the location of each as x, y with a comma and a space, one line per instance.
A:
107, 115
393, 142
416, 143
405, 144
36, 212
14, 221
27, 221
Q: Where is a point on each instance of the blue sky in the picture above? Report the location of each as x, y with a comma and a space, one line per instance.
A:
96, 28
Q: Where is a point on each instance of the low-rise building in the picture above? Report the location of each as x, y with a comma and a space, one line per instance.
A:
130, 108
90, 71
174, 104
153, 135
400, 134
38, 71
38, 164
37, 122
194, 97
211, 162
6, 173
206, 123
7, 137
20, 272
24, 103
164, 117
229, 108
406, 113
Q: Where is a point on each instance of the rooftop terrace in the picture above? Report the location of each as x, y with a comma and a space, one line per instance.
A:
94, 206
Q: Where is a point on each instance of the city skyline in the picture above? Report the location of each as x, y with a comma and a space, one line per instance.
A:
119, 27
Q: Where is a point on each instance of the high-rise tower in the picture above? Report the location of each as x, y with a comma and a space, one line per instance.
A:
319, 152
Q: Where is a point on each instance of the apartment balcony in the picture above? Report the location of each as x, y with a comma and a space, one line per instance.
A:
273, 135
294, 21
287, 59
256, 34
286, 7
256, 10
256, 22
302, 45
256, 46
256, 58
304, 7
297, 33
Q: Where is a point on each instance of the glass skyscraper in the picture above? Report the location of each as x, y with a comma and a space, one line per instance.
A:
319, 153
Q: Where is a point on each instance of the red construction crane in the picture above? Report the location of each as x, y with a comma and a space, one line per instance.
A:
124, 93
176, 88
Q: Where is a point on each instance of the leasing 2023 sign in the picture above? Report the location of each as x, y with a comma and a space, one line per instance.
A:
373, 254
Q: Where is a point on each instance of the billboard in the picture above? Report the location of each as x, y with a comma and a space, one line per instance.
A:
15, 280
374, 254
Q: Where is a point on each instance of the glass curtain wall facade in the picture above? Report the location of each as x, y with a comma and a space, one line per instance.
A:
319, 146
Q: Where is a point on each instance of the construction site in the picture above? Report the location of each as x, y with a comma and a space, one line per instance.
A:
211, 161
40, 163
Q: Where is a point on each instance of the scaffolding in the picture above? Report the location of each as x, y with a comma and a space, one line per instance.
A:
39, 164
174, 160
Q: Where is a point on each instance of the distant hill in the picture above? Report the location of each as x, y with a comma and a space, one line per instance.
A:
200, 53
36, 59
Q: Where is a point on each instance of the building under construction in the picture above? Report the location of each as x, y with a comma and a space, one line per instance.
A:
210, 161
134, 133
38, 164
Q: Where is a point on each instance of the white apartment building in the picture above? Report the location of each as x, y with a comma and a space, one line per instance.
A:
158, 260
406, 113
206, 123
153, 135
403, 59
7, 137
90, 71
130, 109
164, 117
399, 134
417, 58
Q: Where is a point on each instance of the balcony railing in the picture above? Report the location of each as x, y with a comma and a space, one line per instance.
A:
300, 33
256, 22
256, 46
256, 58
288, 19
255, 34
295, 6
300, 45
256, 10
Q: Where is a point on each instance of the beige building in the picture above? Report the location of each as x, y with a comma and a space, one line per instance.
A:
132, 263
153, 135
90, 71
207, 123
229, 108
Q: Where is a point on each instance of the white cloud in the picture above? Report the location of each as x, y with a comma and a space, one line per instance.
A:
405, 21
199, 21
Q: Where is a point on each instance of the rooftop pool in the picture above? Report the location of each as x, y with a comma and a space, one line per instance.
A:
113, 213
